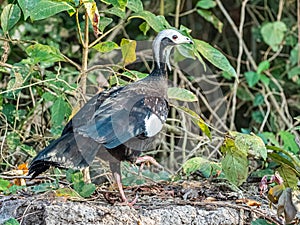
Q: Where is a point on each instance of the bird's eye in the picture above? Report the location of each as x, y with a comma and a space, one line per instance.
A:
174, 37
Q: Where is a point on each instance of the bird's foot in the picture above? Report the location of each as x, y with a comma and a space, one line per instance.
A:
120, 187
126, 202
147, 159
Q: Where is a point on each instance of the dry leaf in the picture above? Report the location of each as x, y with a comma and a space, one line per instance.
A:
249, 202
286, 206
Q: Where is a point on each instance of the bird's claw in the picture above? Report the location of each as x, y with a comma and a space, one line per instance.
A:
147, 159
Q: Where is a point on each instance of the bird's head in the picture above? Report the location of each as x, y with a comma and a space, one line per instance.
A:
163, 44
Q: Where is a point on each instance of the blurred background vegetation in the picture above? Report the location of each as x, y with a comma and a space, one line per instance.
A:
53, 60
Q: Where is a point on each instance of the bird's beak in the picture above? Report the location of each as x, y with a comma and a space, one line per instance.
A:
189, 41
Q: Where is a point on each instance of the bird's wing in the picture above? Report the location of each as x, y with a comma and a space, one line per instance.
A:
123, 116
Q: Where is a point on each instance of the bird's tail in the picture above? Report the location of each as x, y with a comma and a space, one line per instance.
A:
65, 152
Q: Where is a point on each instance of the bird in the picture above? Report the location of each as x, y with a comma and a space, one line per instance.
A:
117, 124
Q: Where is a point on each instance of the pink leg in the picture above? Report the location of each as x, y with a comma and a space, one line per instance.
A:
147, 159
120, 187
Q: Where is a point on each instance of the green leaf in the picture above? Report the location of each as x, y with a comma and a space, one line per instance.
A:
197, 120
294, 55
60, 110
263, 66
273, 34
87, 190
264, 79
155, 22
66, 192
27, 6
47, 96
13, 140
249, 144
234, 162
252, 78
121, 4
10, 15
206, 4
294, 72
204, 166
128, 51
116, 11
289, 142
261, 222
104, 22
144, 27
183, 51
4, 184
42, 9
43, 187
244, 94
289, 176
44, 53
106, 46
215, 57
11, 221
258, 100
181, 94
135, 5
210, 17
271, 138
257, 116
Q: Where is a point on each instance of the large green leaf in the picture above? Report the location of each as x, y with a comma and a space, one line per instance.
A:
210, 17
116, 11
181, 94
60, 110
155, 22
249, 144
214, 56
289, 175
273, 33
42, 9
44, 53
289, 142
10, 15
204, 166
135, 5
234, 162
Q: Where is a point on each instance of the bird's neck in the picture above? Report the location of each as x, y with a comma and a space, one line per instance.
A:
161, 53
159, 69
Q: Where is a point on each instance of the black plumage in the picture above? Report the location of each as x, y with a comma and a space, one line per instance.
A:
116, 124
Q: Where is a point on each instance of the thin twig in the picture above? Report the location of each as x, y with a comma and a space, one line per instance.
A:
238, 67
177, 13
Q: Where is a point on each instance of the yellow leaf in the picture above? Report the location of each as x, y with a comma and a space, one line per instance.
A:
128, 50
93, 13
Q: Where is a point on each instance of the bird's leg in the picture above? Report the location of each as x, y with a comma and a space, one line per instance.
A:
147, 159
86, 175
115, 169
120, 187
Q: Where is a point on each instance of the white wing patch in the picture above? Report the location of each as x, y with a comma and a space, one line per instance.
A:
153, 125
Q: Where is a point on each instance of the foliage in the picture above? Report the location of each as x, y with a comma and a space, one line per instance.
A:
54, 56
